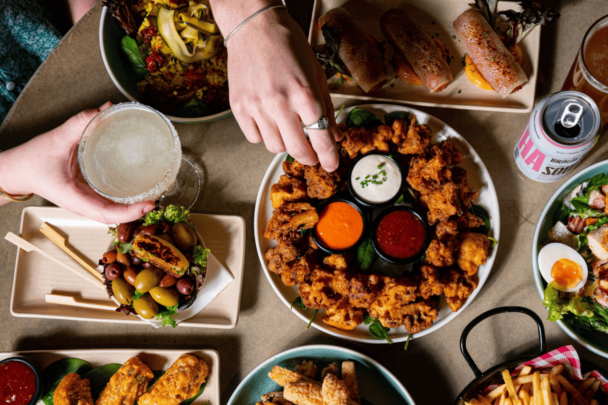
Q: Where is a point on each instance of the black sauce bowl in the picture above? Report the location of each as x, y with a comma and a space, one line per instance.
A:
362, 202
36, 375
320, 209
394, 260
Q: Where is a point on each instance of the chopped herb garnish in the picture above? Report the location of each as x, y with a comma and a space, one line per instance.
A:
367, 177
472, 71
485, 33
430, 58
380, 166
454, 36
357, 178
459, 91
492, 59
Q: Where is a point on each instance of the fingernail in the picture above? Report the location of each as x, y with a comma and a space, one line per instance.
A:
107, 104
148, 209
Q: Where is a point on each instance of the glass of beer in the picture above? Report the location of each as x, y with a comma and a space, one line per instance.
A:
131, 153
589, 73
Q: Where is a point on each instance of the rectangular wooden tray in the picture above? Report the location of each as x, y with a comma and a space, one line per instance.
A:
435, 17
156, 359
36, 275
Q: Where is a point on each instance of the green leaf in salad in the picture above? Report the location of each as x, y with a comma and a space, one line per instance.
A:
366, 255
170, 213
123, 247
482, 213
200, 256
358, 117
399, 200
558, 307
100, 376
390, 118
168, 315
131, 50
298, 303
54, 373
377, 330
312, 318
586, 213
561, 214
193, 108
137, 295
289, 159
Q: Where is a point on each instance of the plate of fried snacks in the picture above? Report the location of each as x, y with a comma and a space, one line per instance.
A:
558, 377
168, 55
570, 256
481, 56
122, 377
393, 244
320, 374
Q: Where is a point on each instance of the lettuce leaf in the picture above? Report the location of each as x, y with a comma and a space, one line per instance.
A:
171, 214
200, 256
581, 312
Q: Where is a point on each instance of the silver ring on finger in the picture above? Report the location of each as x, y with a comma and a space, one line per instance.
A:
322, 123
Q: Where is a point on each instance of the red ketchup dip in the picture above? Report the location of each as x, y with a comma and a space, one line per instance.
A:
17, 383
400, 234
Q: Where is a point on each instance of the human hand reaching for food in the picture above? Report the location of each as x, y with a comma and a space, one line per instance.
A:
276, 82
47, 165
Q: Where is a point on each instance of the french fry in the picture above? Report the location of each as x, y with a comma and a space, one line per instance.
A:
557, 370
508, 402
584, 386
592, 390
503, 396
474, 402
496, 392
576, 396
554, 399
523, 380
509, 383
546, 390
524, 372
536, 388
593, 402
563, 398
482, 400
555, 385
525, 397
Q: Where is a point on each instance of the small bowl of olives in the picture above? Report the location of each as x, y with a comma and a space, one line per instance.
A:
156, 266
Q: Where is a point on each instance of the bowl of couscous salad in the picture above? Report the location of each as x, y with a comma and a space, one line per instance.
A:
168, 54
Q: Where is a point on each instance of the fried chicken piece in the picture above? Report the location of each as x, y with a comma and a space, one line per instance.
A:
445, 228
73, 390
318, 293
381, 135
301, 269
308, 369
473, 251
127, 384
180, 382
436, 171
331, 369
320, 183
294, 169
288, 189
443, 203
464, 192
341, 282
418, 316
363, 290
289, 218
275, 397
468, 221
429, 282
441, 253
335, 262
281, 257
334, 391
395, 294
283, 376
448, 151
457, 287
349, 376
415, 141
415, 178
304, 393
343, 315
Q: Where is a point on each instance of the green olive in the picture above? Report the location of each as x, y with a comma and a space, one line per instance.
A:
147, 279
122, 290
167, 297
146, 307
184, 236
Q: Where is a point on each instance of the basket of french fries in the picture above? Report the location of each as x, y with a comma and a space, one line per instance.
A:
558, 377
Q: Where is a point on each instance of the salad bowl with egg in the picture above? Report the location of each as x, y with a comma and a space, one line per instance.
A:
570, 257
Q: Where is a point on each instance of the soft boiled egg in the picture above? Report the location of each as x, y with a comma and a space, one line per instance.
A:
563, 266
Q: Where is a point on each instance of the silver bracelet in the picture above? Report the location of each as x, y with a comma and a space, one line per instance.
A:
247, 20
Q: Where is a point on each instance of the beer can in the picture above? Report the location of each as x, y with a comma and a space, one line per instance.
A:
562, 129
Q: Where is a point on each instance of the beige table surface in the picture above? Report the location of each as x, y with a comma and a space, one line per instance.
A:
432, 369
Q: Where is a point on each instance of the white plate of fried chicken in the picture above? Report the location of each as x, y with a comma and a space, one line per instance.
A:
412, 301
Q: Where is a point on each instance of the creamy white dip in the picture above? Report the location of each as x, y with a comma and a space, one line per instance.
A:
376, 179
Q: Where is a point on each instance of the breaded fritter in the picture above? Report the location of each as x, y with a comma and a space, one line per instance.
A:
283, 376
415, 140
429, 282
281, 257
473, 251
441, 253
443, 203
288, 189
468, 221
300, 270
335, 262
349, 376
294, 169
418, 316
334, 391
304, 393
457, 287
127, 384
289, 218
73, 390
364, 141
447, 228
308, 369
343, 315
180, 382
318, 293
395, 294
320, 183
330, 369
464, 192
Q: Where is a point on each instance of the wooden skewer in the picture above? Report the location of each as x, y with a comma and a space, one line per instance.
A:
71, 301
29, 247
59, 240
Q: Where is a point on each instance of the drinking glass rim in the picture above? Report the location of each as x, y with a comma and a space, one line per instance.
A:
603, 87
120, 106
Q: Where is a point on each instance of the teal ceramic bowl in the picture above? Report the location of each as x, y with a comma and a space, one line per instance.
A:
377, 385
597, 342
121, 73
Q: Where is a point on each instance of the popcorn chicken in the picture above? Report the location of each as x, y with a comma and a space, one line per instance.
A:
288, 189
473, 251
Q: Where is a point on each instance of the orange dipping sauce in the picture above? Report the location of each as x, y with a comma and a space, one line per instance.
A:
340, 226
